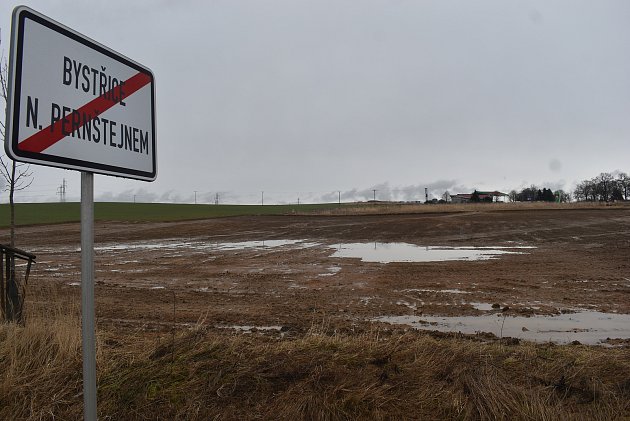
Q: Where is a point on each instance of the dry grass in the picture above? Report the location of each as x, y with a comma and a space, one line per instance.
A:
386, 208
40, 366
205, 374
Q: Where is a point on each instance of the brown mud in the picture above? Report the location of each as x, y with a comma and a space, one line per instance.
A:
153, 276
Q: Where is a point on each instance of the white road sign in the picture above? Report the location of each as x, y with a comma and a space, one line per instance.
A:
76, 104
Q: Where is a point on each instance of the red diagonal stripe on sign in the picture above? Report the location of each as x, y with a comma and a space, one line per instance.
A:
52, 134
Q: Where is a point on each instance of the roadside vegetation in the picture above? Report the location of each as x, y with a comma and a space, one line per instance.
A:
376, 373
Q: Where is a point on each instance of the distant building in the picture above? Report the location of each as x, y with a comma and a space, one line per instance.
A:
484, 196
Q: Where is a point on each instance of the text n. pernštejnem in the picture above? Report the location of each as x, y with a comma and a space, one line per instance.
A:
85, 127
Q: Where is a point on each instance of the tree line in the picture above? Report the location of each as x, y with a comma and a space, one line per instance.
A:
534, 193
606, 187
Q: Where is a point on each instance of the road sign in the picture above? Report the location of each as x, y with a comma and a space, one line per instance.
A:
76, 104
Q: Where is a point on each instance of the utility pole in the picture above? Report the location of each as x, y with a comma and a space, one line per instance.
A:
339, 196
426, 195
374, 190
195, 197
298, 201
216, 198
262, 198
61, 191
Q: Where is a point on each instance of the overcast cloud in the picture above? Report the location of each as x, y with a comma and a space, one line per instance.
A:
306, 99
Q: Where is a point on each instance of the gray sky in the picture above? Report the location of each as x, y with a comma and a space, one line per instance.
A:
307, 98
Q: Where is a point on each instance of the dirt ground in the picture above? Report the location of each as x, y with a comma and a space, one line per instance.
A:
152, 276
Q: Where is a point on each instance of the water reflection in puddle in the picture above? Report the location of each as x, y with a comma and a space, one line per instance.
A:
404, 252
587, 327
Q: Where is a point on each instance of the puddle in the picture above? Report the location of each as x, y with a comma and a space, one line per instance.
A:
261, 244
168, 245
122, 270
413, 306
251, 329
587, 327
405, 252
333, 270
443, 291
368, 252
482, 306
204, 245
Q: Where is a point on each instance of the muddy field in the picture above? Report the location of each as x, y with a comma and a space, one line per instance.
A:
282, 275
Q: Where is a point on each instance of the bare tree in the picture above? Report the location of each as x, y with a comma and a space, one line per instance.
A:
591, 190
580, 191
513, 195
623, 181
15, 176
604, 186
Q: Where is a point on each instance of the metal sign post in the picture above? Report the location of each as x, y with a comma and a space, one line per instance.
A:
87, 295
